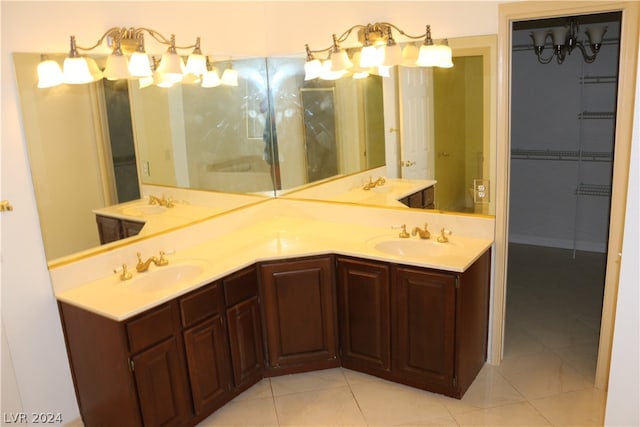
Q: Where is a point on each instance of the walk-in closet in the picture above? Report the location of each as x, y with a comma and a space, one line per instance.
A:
563, 116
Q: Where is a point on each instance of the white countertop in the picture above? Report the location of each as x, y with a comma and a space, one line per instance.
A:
163, 219
276, 237
388, 195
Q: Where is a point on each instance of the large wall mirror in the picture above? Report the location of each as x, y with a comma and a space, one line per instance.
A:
102, 144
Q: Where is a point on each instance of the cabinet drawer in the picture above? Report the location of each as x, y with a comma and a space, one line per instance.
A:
150, 328
240, 286
201, 304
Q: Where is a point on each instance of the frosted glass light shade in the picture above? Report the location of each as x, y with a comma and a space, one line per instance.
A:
139, 65
229, 77
444, 56
328, 74
76, 71
539, 37
559, 35
410, 55
171, 66
211, 78
391, 55
340, 61
369, 57
312, 69
117, 67
596, 33
196, 64
428, 56
49, 74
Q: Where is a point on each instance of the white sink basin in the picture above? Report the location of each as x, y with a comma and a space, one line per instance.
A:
159, 278
412, 247
142, 210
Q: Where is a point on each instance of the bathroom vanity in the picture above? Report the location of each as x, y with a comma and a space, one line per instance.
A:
283, 295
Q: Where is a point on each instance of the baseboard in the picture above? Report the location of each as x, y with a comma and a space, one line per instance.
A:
558, 243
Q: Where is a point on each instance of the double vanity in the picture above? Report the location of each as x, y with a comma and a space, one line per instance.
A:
279, 287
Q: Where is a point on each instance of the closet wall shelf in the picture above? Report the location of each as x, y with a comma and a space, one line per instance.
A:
590, 115
593, 190
588, 156
598, 79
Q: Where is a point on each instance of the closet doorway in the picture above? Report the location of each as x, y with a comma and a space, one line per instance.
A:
508, 16
563, 111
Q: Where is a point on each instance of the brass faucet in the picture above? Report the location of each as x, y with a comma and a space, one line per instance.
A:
442, 238
125, 274
153, 200
424, 234
144, 266
372, 184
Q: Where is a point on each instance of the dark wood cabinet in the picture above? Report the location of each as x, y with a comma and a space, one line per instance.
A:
245, 327
206, 348
111, 229
299, 313
423, 199
421, 327
129, 373
162, 385
364, 314
424, 326
176, 363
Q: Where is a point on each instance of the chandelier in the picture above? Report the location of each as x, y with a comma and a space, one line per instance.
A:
378, 52
129, 60
565, 40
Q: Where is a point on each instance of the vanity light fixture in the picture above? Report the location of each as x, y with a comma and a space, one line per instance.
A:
378, 52
49, 73
128, 60
565, 40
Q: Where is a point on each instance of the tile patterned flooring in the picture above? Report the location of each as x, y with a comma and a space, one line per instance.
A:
546, 378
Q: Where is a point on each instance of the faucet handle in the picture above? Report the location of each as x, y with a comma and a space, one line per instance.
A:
404, 234
124, 273
163, 260
442, 238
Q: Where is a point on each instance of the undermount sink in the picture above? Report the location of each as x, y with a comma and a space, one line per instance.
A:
160, 278
412, 247
142, 210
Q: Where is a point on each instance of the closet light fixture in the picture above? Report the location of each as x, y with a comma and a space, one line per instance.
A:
128, 60
378, 50
565, 39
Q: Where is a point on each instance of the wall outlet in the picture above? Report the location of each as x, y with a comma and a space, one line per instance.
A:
481, 191
145, 168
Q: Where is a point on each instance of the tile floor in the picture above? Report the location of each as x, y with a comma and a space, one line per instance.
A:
546, 378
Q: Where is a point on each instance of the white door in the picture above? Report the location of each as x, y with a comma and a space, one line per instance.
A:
416, 115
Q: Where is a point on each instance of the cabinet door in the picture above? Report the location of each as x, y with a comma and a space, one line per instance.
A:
108, 229
131, 228
206, 346
245, 342
299, 313
363, 307
162, 385
424, 315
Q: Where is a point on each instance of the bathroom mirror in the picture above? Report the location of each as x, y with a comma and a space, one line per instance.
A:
234, 163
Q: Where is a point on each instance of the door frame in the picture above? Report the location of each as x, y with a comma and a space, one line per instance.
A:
509, 13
